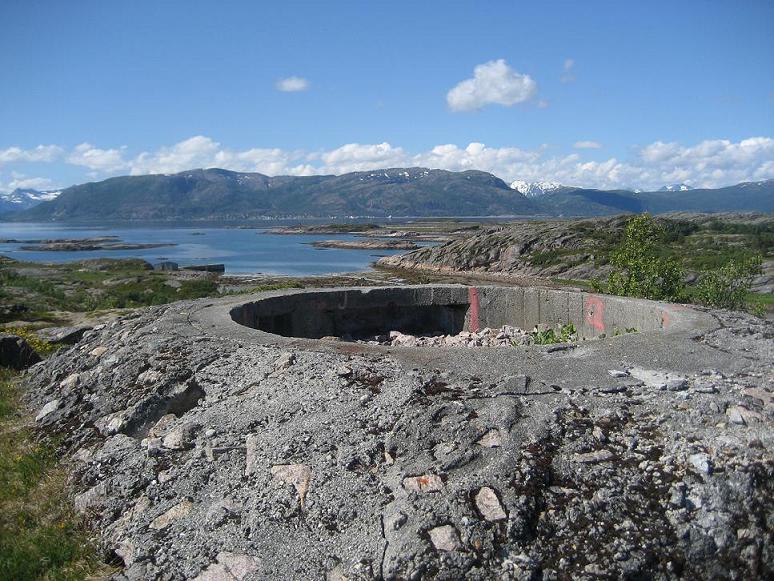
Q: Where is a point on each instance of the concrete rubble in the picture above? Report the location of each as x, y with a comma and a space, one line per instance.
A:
505, 336
196, 455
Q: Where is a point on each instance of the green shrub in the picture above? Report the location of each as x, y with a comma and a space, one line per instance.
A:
197, 288
544, 258
563, 334
638, 270
152, 291
727, 287
677, 230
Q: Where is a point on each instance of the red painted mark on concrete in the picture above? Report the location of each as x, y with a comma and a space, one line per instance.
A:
666, 320
473, 300
595, 313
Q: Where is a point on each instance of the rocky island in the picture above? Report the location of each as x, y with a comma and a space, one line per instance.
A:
324, 229
83, 244
373, 244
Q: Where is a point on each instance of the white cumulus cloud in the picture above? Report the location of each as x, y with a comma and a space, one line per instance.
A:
41, 153
493, 82
96, 159
24, 182
587, 145
195, 152
497, 160
361, 157
203, 152
292, 84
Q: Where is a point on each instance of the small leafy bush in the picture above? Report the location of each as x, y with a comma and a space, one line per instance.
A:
563, 334
727, 287
639, 270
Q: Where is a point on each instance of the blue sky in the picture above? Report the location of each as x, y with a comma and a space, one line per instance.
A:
606, 94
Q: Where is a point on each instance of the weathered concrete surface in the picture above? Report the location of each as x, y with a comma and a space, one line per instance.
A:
450, 309
202, 448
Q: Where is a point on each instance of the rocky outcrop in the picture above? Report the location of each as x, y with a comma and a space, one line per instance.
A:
202, 456
545, 249
567, 249
16, 353
64, 335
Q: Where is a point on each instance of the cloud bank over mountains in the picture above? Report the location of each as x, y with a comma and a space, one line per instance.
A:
710, 163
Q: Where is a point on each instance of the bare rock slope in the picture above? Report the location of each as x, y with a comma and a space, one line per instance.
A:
200, 457
530, 248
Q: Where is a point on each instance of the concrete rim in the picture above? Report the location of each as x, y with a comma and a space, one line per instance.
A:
666, 319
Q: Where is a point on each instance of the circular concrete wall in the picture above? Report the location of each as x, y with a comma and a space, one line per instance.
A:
449, 309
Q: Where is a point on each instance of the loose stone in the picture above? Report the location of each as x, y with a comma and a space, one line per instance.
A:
50, 407
701, 462
492, 439
175, 513
445, 538
298, 475
284, 361
230, 567
425, 483
98, 351
594, 457
489, 505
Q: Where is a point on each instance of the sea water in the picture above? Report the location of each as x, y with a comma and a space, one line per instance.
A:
252, 250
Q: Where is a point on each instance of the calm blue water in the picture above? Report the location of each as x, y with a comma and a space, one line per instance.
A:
242, 251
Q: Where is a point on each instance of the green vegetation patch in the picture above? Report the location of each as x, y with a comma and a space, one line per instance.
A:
262, 288
151, 290
646, 266
639, 268
40, 346
32, 291
40, 535
727, 287
562, 334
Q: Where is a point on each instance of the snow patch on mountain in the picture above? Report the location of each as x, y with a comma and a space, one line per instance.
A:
535, 189
676, 188
394, 174
23, 198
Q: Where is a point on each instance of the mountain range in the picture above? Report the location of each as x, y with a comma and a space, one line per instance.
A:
217, 194
24, 198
